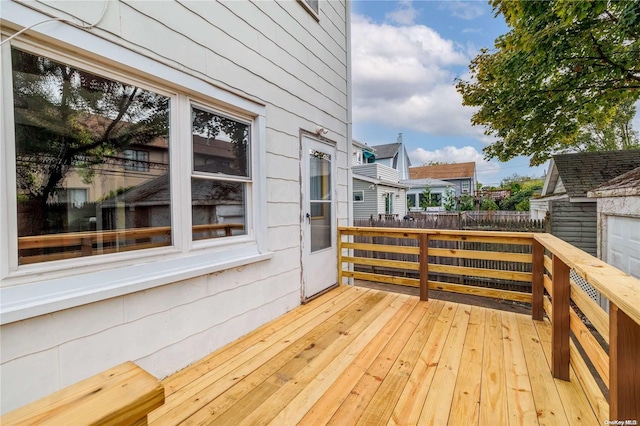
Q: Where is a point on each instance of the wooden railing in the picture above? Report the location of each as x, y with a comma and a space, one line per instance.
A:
602, 348
43, 248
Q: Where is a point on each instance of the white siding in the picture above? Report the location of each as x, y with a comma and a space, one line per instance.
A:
274, 53
377, 171
369, 207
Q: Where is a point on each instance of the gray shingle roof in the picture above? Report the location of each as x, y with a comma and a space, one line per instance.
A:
584, 171
387, 151
625, 184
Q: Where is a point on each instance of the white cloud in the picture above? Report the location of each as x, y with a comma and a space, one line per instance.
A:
405, 13
472, 30
402, 76
487, 171
467, 10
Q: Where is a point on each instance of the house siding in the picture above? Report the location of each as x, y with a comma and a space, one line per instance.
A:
274, 53
575, 223
377, 171
369, 206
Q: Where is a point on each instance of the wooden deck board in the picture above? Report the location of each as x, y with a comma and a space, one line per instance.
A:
363, 356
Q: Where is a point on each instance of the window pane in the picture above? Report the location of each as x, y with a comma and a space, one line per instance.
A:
218, 208
320, 178
313, 4
220, 144
83, 188
320, 225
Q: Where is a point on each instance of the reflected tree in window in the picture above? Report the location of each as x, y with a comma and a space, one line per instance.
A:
67, 118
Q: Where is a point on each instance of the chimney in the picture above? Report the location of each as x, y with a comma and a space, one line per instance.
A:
400, 137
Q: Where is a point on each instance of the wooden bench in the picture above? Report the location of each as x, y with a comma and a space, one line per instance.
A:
123, 395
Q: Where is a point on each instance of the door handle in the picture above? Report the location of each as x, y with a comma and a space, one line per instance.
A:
308, 216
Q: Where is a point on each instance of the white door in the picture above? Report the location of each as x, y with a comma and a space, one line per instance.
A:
319, 254
623, 244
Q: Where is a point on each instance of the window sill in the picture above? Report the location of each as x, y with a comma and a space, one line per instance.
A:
30, 300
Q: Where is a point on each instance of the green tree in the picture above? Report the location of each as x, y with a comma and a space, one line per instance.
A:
521, 191
565, 69
488, 204
466, 203
449, 201
428, 199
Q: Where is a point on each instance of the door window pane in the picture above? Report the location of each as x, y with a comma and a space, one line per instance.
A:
320, 175
79, 193
320, 199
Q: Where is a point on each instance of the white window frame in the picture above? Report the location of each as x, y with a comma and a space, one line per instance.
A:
361, 198
467, 184
36, 289
311, 10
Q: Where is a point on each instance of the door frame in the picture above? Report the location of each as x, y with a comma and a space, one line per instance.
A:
305, 233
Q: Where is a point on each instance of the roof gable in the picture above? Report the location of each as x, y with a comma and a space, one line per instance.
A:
387, 151
626, 184
584, 171
444, 171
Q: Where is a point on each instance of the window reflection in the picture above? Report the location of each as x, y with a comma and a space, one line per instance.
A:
92, 162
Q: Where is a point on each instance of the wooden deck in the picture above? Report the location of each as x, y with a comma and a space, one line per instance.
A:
362, 356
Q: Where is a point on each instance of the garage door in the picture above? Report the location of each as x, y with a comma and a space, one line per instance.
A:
623, 251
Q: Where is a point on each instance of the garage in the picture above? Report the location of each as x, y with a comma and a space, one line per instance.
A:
623, 244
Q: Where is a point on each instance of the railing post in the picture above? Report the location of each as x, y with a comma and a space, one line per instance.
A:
560, 320
339, 257
537, 284
624, 366
424, 266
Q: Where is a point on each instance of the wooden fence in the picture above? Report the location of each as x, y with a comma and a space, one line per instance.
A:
583, 334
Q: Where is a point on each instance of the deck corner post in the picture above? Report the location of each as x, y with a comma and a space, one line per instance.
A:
537, 283
424, 266
560, 325
624, 366
339, 257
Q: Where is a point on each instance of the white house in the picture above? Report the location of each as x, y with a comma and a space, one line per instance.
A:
394, 155
361, 153
173, 174
441, 191
377, 192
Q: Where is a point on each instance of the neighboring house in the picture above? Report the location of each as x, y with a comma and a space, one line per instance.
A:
209, 190
394, 155
618, 207
462, 175
362, 153
377, 192
437, 187
564, 194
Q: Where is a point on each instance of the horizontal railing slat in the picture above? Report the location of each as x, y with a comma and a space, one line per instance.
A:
515, 296
481, 272
594, 351
597, 316
484, 255
382, 248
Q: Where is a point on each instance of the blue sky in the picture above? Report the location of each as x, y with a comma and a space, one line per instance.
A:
405, 56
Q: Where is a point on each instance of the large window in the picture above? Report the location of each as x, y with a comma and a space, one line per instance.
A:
93, 174
75, 128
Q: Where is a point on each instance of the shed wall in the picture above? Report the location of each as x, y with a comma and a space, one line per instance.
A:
575, 223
